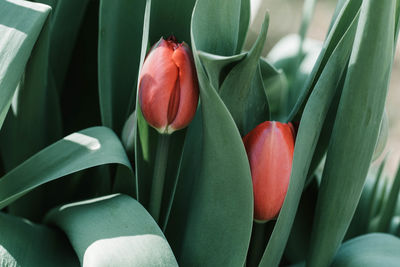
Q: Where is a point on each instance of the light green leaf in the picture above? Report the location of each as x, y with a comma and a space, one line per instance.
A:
120, 29
20, 25
113, 230
356, 129
75, 152
372, 250
23, 243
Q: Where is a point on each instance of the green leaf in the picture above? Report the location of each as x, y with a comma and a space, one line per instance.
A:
223, 16
65, 21
244, 99
20, 25
216, 227
113, 230
276, 88
75, 152
244, 22
120, 26
340, 26
23, 243
218, 67
356, 129
143, 133
372, 250
310, 127
34, 109
361, 219
297, 63
170, 17
390, 205
299, 240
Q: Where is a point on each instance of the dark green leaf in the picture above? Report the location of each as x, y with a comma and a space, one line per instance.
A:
120, 29
23, 243
75, 152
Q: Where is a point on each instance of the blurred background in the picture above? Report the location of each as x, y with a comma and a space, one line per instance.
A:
285, 18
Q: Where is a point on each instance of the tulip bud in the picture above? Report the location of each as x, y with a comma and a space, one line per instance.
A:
168, 86
270, 148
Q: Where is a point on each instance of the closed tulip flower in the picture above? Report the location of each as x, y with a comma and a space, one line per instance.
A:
168, 86
270, 148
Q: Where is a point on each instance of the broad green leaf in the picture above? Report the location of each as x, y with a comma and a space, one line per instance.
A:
217, 224
20, 25
113, 230
310, 128
35, 110
65, 21
23, 243
356, 129
75, 152
244, 22
120, 29
241, 96
372, 250
170, 17
223, 16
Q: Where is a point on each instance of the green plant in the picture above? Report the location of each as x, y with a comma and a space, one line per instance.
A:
73, 64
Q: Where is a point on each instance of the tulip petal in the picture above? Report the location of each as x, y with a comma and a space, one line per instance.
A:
188, 84
270, 149
157, 84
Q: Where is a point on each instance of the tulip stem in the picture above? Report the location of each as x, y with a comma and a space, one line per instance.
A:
160, 167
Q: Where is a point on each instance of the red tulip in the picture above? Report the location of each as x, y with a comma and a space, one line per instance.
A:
168, 86
270, 148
